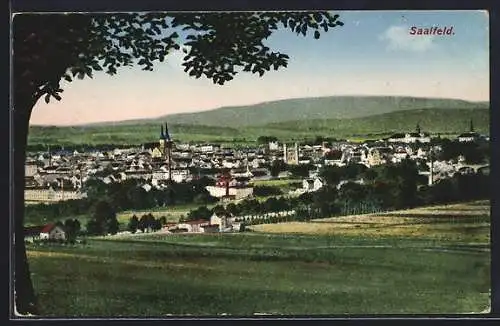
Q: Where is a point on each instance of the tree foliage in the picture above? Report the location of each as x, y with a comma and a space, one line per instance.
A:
52, 47
133, 224
103, 219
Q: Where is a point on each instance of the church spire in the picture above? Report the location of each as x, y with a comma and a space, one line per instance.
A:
162, 135
167, 135
418, 128
471, 126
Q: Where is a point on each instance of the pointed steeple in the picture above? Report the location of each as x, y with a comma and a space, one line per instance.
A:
162, 135
471, 126
167, 135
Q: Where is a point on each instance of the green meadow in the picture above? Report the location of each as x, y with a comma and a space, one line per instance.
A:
287, 273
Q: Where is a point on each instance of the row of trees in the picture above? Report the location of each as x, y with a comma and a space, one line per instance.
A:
385, 187
147, 222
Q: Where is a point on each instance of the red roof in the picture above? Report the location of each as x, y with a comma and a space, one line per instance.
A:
47, 228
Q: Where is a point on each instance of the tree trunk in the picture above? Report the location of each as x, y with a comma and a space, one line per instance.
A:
25, 299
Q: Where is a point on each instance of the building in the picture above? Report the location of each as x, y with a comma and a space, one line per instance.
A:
410, 138
291, 155
193, 226
379, 155
164, 149
52, 232
273, 146
30, 168
312, 184
221, 221
227, 186
471, 136
44, 194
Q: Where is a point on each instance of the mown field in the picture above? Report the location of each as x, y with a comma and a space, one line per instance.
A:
274, 273
468, 222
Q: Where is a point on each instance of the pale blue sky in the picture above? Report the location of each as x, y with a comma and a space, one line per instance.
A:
372, 54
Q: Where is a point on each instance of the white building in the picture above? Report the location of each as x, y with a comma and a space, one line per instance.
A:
236, 193
310, 185
52, 232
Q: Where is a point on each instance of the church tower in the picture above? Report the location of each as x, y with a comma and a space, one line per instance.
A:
167, 153
162, 141
471, 126
418, 128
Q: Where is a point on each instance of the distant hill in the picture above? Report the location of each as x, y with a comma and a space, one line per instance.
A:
429, 120
333, 107
444, 121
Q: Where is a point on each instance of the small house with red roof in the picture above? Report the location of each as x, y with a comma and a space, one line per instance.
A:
44, 232
52, 232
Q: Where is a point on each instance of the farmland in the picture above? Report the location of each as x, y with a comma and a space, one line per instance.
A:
443, 266
463, 222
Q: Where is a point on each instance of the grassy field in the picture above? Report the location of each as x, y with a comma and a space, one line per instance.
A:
469, 222
276, 182
171, 213
259, 273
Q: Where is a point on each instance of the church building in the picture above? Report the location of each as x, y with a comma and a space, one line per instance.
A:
163, 152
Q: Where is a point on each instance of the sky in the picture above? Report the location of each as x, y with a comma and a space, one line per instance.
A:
372, 54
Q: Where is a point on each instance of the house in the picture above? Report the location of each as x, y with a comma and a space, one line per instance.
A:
193, 226
334, 157
169, 226
52, 232
229, 187
221, 221
410, 137
469, 137
312, 184
273, 146
378, 155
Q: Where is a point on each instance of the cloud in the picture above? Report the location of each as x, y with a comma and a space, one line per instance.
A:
399, 38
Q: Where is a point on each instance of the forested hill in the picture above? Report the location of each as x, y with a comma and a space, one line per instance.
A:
333, 107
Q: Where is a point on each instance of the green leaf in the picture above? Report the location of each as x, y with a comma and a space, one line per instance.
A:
316, 34
47, 98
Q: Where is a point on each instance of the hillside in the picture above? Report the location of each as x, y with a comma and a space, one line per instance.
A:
430, 120
333, 107
444, 121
